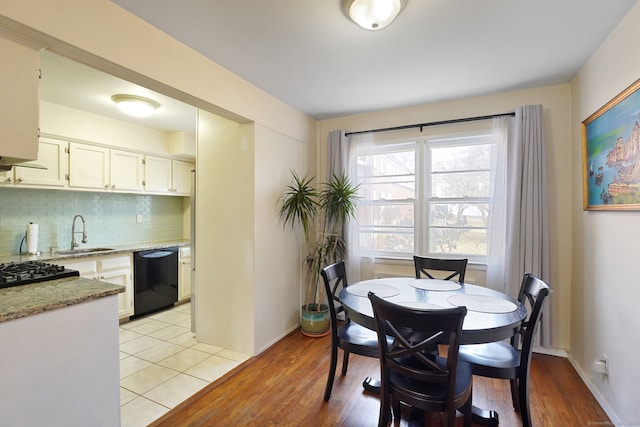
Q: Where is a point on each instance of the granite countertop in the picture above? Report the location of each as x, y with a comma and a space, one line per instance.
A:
114, 249
26, 300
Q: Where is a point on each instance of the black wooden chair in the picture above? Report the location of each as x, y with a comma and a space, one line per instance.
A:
411, 373
512, 360
454, 268
349, 336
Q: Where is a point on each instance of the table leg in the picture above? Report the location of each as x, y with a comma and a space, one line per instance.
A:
485, 417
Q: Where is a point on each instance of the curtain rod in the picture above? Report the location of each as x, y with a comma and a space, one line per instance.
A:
442, 122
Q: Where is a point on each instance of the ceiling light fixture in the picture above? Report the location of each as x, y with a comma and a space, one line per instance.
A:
373, 14
134, 105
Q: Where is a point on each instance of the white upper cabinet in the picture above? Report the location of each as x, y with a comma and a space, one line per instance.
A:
182, 177
163, 175
127, 170
52, 155
88, 166
157, 174
19, 109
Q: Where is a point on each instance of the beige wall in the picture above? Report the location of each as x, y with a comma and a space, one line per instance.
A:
604, 313
557, 117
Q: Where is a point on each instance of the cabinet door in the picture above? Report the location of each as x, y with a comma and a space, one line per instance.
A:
184, 274
53, 156
122, 278
182, 177
20, 95
126, 170
117, 269
88, 166
157, 174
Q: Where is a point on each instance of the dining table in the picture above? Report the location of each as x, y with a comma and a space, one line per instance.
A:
491, 315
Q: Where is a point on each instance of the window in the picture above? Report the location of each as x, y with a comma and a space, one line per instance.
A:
429, 196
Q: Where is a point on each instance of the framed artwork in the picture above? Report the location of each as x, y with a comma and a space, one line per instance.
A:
611, 154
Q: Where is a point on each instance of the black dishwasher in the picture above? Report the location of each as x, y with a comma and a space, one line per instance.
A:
155, 280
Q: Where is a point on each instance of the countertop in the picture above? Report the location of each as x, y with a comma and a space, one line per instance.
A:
57, 258
26, 300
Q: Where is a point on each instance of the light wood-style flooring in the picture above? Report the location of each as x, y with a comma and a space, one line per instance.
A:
284, 386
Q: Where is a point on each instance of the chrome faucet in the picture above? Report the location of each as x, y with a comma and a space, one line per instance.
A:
74, 244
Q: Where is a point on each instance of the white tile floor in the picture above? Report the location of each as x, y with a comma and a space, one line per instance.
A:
162, 364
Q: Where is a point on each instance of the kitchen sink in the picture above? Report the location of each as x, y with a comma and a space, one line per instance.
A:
82, 251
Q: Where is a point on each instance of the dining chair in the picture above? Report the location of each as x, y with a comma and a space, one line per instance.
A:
512, 360
454, 268
410, 371
349, 336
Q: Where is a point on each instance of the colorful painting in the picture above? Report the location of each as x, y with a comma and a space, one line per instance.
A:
611, 154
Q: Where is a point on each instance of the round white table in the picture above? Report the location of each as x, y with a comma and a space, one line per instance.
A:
491, 315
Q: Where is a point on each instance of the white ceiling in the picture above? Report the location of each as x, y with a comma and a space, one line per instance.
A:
309, 55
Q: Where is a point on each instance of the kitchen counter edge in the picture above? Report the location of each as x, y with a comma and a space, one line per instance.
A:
117, 249
34, 298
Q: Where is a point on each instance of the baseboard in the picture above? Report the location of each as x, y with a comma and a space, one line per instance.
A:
276, 339
551, 351
596, 394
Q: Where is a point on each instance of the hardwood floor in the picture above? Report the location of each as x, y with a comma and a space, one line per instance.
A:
284, 386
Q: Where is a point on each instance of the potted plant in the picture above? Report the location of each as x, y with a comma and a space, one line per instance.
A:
322, 214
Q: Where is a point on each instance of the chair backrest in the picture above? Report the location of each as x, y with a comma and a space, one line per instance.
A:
334, 277
532, 293
416, 334
455, 267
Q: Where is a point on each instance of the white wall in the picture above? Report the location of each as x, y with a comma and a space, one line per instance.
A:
68, 122
557, 117
604, 312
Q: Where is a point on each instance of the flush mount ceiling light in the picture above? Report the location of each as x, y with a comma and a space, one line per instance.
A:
134, 105
373, 14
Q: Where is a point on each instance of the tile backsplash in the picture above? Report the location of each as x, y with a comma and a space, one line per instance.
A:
110, 218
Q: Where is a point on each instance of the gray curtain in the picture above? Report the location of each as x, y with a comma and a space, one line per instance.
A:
338, 162
527, 243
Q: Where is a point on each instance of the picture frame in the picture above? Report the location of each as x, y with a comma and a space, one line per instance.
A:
611, 154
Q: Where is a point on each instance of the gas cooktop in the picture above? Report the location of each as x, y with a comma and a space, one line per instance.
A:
23, 273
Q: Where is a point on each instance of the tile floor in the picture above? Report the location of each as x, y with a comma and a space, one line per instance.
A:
162, 364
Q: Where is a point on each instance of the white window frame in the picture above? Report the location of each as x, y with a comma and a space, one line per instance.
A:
423, 199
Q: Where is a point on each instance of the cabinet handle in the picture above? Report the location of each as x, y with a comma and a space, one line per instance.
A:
19, 179
106, 186
113, 186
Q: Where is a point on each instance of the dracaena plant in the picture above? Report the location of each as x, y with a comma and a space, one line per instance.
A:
322, 214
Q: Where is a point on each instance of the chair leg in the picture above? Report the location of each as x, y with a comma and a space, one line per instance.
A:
523, 397
514, 394
467, 411
345, 362
332, 372
385, 412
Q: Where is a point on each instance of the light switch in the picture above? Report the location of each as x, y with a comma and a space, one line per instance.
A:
139, 219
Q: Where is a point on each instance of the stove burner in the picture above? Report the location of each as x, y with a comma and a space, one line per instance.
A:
23, 273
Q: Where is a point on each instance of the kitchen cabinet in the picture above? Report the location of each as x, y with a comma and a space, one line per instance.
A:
184, 273
52, 155
20, 94
97, 167
116, 269
157, 174
126, 170
167, 176
181, 175
88, 166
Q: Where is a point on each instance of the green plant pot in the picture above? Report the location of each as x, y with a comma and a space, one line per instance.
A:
314, 321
